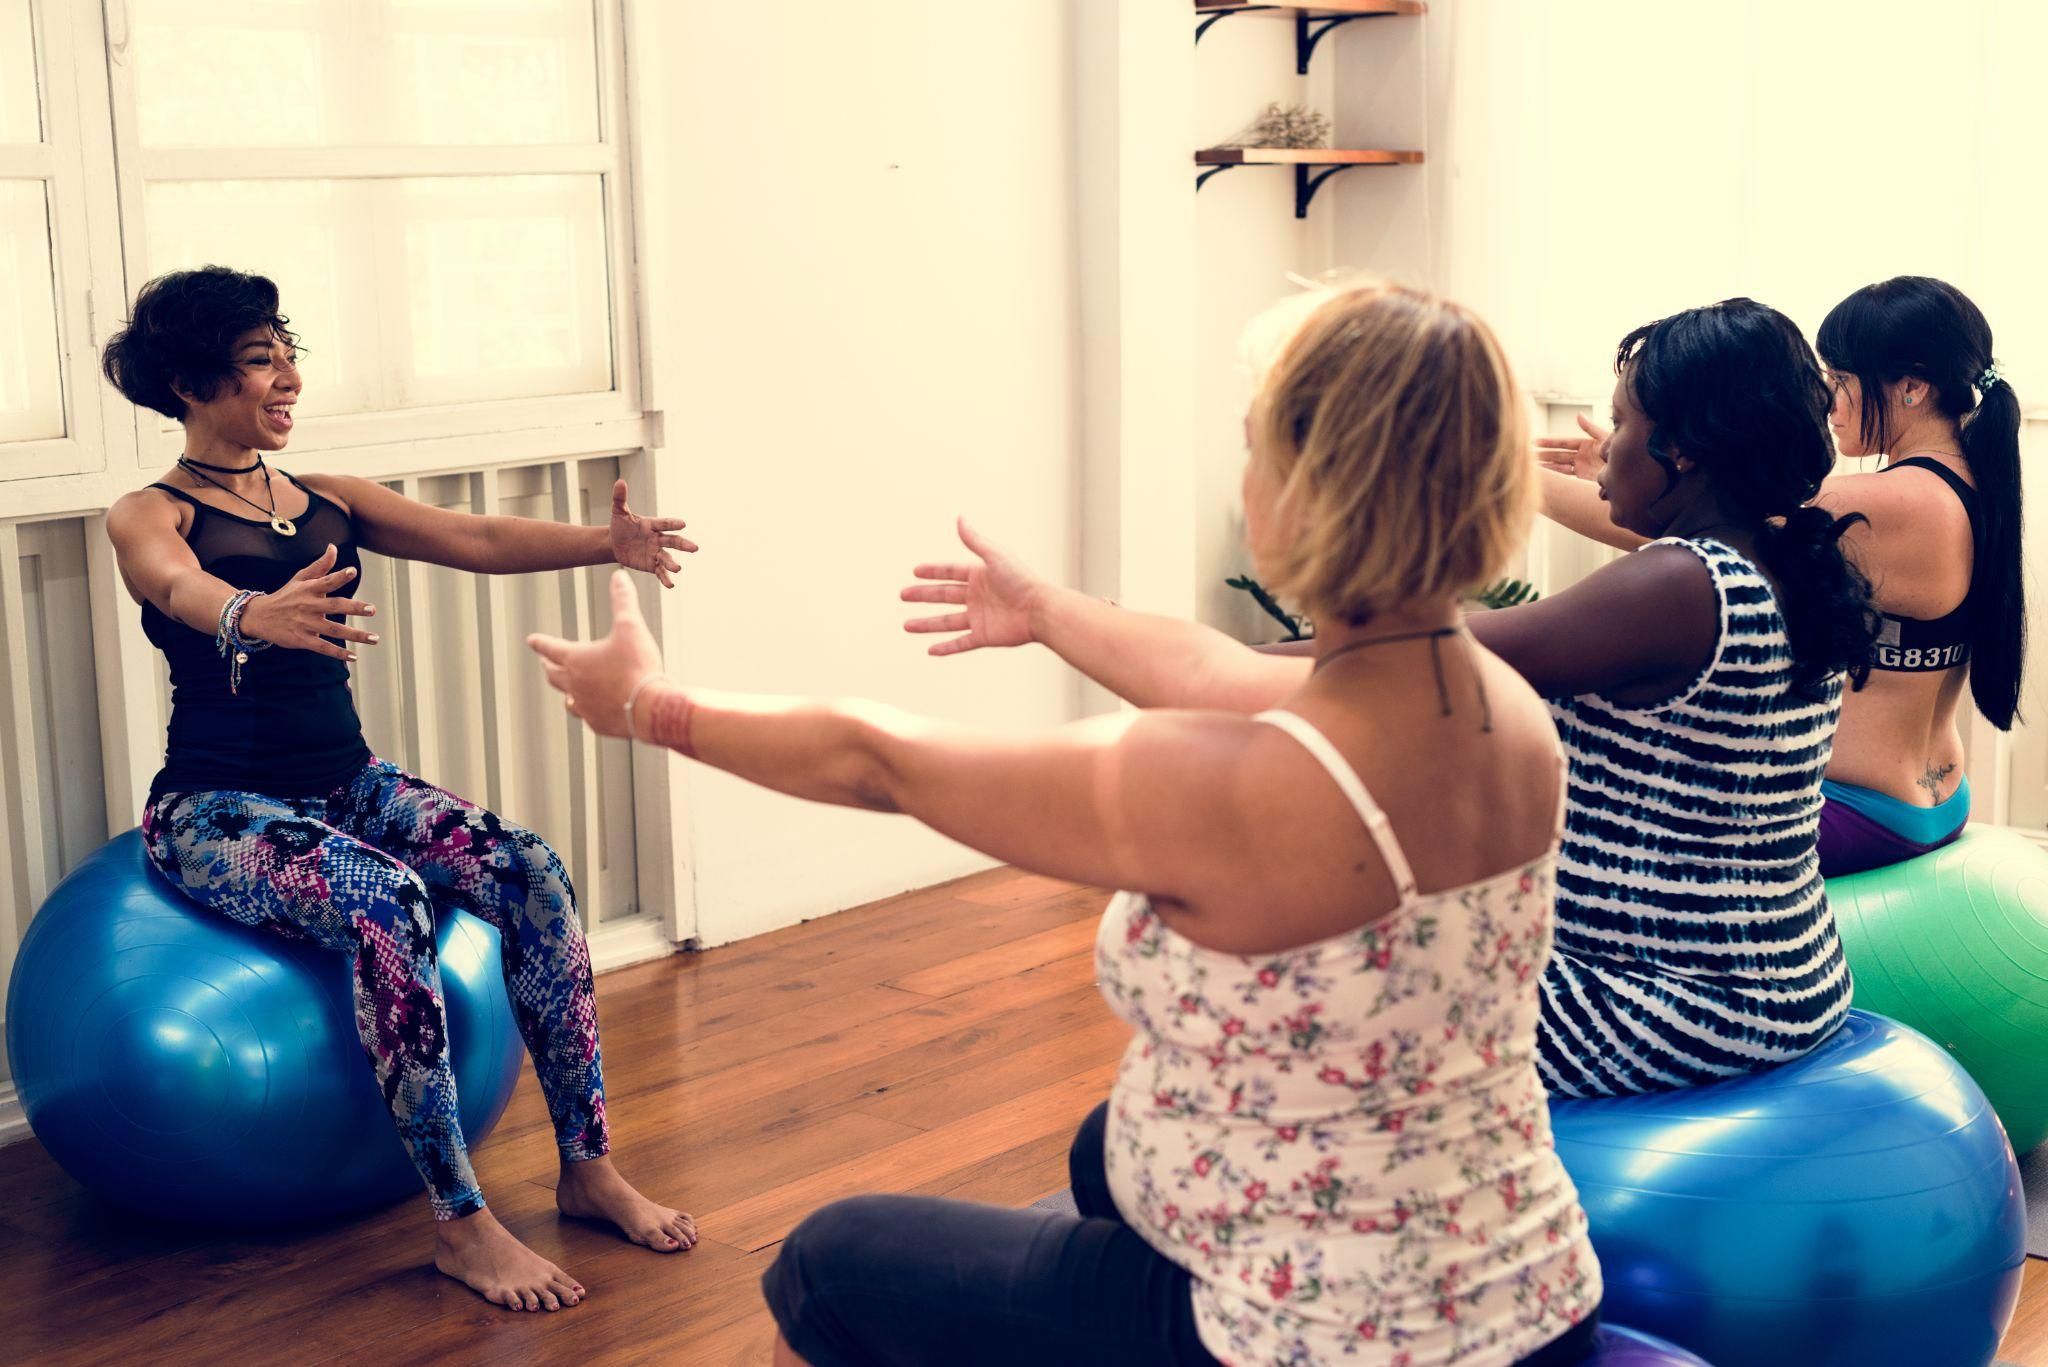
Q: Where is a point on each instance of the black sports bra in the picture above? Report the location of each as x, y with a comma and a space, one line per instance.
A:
1913, 645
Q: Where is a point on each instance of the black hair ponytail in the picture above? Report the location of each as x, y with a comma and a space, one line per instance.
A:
1735, 388
1913, 325
1998, 611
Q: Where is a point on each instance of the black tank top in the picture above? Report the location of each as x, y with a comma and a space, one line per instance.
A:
292, 731
1914, 645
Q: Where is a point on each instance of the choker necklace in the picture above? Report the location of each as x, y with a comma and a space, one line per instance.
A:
1435, 638
222, 469
283, 526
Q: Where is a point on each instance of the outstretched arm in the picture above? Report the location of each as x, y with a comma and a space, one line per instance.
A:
1147, 660
405, 529
1639, 629
1157, 801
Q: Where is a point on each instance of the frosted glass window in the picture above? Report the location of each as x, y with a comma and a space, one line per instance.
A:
505, 288
364, 73
31, 392
413, 292
20, 110
314, 238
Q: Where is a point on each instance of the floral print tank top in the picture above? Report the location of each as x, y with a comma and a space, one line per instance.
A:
1347, 1144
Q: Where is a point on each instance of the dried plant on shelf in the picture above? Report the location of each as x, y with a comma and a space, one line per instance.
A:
1290, 126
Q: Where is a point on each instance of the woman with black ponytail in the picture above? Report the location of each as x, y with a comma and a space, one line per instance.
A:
1911, 366
1915, 382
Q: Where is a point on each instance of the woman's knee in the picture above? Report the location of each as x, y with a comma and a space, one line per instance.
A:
820, 1259
527, 862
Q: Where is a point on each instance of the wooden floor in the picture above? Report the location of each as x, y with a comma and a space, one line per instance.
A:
943, 1042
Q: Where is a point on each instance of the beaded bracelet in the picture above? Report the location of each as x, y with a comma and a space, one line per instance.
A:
229, 641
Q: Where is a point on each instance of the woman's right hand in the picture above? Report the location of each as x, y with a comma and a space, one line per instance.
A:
1579, 457
295, 616
1000, 597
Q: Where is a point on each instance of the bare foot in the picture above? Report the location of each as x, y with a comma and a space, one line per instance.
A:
482, 1254
594, 1190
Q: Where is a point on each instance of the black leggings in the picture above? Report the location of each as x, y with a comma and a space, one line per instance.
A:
916, 1281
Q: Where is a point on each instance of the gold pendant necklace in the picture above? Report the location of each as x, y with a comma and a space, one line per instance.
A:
283, 526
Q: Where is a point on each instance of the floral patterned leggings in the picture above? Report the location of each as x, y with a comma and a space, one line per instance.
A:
360, 871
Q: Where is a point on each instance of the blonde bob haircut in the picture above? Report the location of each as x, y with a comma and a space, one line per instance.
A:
1401, 445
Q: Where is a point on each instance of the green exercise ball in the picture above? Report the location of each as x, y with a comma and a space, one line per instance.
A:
1955, 944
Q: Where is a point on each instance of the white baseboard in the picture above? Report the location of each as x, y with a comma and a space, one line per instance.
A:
626, 943
13, 1120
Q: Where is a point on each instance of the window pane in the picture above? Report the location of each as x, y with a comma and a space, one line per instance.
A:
31, 393
364, 73
505, 287
20, 116
413, 292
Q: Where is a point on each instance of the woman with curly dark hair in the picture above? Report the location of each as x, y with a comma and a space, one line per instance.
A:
271, 810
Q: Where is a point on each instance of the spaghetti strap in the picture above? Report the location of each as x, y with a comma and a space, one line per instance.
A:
1347, 779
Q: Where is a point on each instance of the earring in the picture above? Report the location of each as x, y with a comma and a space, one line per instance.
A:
1909, 401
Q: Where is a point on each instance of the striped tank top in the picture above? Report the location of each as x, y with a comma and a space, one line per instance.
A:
1694, 937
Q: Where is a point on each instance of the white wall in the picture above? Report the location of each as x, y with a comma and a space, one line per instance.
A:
860, 261
1600, 163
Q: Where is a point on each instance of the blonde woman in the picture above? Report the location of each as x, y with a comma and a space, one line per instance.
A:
1328, 1140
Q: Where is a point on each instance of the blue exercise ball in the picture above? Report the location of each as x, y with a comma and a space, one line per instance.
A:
194, 1069
1857, 1206
1614, 1346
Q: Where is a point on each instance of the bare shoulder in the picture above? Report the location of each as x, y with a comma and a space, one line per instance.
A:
144, 510
1908, 499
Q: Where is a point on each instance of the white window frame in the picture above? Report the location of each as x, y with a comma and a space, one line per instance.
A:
61, 161
414, 441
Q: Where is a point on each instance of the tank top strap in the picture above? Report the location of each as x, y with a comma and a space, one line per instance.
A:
178, 493
1353, 788
1965, 495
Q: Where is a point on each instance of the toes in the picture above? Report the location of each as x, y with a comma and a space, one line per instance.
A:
531, 1301
549, 1300
566, 1289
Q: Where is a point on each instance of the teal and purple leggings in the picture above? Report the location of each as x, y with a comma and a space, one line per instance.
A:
360, 871
1861, 828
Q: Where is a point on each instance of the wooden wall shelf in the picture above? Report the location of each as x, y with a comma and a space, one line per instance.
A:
1305, 161
1312, 23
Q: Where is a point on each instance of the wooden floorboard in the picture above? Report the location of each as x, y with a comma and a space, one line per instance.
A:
945, 1042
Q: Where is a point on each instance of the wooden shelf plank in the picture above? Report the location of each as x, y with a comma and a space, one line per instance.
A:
1329, 9
1304, 156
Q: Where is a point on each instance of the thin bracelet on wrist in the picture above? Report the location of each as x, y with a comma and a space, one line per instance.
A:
669, 722
631, 733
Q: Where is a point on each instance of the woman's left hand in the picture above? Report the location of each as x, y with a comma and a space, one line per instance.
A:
643, 543
597, 677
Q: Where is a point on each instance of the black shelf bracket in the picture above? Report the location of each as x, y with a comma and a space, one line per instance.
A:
1308, 32
1308, 180
1220, 15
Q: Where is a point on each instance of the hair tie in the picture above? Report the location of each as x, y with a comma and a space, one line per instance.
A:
1989, 378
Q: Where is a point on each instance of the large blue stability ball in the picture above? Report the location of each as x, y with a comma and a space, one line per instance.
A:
1859, 1206
194, 1069
1614, 1346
